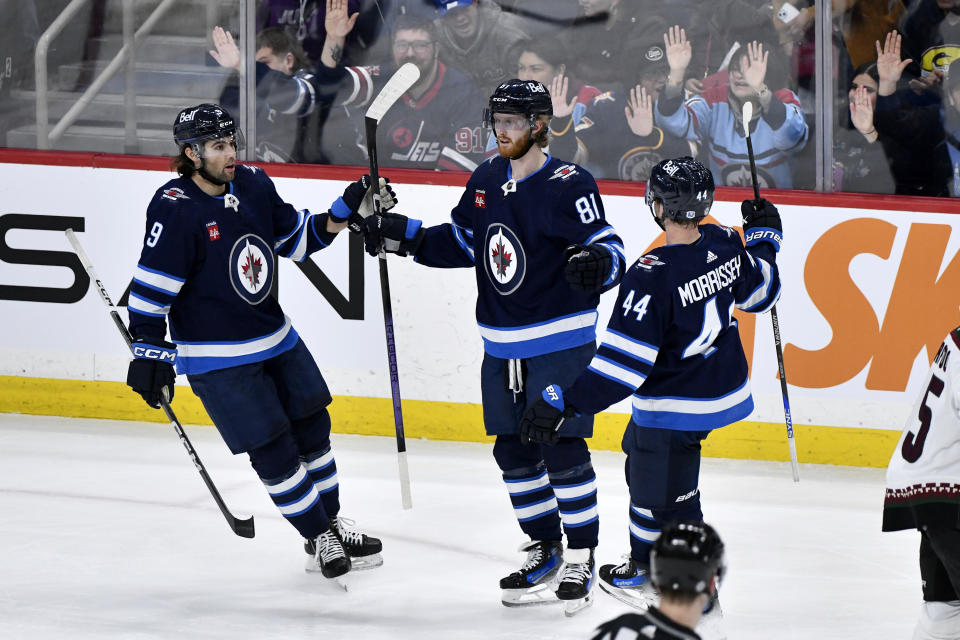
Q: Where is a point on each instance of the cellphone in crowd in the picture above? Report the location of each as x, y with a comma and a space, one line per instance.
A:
787, 13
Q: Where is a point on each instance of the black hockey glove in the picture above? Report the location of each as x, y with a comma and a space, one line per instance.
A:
396, 233
761, 223
356, 203
588, 267
541, 423
152, 369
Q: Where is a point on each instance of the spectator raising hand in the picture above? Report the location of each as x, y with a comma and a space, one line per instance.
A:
889, 65
559, 87
861, 112
226, 52
639, 111
753, 66
679, 53
338, 24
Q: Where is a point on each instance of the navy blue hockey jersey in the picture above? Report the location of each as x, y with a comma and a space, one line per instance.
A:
515, 233
208, 263
672, 341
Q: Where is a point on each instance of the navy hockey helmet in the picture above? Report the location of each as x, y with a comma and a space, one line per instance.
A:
525, 97
196, 125
685, 557
684, 186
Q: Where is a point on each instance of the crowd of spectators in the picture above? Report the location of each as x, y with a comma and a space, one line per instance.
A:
632, 82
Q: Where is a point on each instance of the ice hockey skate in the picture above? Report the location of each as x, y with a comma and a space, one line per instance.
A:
629, 582
575, 582
532, 584
364, 550
329, 557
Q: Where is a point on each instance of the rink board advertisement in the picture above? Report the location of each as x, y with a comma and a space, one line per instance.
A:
868, 294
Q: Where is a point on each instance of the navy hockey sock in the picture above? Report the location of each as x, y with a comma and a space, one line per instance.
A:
299, 501
644, 531
322, 468
576, 491
534, 502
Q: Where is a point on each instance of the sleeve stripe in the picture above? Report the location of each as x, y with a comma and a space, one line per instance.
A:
299, 250
634, 348
615, 247
463, 243
614, 371
158, 280
601, 371
280, 241
147, 306
603, 233
756, 300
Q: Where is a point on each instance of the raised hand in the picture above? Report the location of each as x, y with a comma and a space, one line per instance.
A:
558, 95
338, 22
889, 65
753, 66
639, 111
861, 112
227, 53
679, 52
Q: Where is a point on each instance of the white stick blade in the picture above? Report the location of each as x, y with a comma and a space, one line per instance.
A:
402, 80
747, 116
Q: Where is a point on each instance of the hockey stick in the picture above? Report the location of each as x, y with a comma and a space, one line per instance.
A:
241, 527
788, 419
396, 86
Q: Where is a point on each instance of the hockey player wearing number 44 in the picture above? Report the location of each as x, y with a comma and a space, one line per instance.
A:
208, 264
533, 227
923, 487
672, 343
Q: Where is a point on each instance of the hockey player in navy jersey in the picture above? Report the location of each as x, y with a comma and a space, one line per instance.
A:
672, 343
208, 264
687, 564
533, 228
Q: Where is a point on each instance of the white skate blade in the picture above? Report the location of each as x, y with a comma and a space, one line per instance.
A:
364, 563
357, 564
639, 599
536, 595
573, 607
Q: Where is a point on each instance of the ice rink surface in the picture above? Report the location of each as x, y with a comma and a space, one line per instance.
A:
108, 532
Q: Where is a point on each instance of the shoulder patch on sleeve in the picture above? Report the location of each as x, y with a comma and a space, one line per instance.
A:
564, 172
173, 194
648, 262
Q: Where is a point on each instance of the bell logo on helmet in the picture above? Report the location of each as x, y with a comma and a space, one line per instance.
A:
188, 117
536, 87
670, 168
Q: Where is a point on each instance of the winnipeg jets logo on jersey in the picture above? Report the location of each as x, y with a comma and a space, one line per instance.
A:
564, 172
251, 268
174, 193
506, 262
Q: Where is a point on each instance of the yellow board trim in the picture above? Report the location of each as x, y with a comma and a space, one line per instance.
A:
447, 421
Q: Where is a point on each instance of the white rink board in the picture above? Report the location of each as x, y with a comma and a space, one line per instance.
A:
439, 349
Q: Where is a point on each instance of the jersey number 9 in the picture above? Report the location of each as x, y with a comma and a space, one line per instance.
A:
154, 234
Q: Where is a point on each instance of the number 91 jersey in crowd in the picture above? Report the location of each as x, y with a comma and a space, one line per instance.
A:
516, 233
672, 340
923, 478
209, 262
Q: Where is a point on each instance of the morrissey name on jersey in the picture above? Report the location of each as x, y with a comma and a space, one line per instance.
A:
709, 283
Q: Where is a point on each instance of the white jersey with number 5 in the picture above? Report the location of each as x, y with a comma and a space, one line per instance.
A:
923, 478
